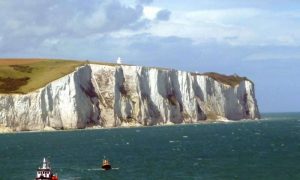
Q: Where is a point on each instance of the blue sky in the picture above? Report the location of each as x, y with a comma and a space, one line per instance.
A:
257, 39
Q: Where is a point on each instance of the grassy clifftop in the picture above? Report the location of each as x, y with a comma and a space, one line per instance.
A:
26, 75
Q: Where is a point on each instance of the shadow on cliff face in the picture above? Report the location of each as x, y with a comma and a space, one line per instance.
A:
153, 114
244, 99
177, 94
199, 98
122, 99
119, 79
245, 104
86, 86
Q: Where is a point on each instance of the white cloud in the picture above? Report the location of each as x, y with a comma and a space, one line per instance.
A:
271, 56
237, 26
96, 19
38, 24
163, 15
150, 12
222, 15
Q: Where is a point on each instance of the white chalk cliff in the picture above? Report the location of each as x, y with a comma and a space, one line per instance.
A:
112, 96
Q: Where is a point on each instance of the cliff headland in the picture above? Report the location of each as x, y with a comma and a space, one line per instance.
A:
38, 94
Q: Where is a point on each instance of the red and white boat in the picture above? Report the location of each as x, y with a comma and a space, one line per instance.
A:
45, 172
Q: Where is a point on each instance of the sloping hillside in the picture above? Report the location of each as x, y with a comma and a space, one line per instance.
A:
25, 75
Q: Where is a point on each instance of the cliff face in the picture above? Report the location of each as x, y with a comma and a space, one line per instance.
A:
65, 103
112, 96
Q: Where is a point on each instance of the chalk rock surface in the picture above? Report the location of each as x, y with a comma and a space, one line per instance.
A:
123, 95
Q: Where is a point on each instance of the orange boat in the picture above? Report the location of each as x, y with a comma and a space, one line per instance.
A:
45, 172
105, 164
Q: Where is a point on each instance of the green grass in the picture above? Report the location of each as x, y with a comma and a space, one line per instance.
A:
26, 75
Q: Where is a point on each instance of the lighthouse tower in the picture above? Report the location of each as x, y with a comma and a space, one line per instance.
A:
119, 60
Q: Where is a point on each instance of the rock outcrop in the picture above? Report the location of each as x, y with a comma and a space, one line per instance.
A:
112, 96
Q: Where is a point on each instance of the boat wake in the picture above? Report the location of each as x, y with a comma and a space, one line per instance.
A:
72, 178
100, 169
95, 169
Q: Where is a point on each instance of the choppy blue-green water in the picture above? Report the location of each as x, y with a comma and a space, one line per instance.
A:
266, 149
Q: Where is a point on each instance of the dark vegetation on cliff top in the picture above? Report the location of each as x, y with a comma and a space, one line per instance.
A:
231, 80
26, 75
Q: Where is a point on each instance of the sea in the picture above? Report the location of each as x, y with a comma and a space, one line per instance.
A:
264, 149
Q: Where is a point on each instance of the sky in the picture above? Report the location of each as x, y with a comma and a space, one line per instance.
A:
257, 39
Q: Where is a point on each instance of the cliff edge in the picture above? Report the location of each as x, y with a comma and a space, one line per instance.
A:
122, 95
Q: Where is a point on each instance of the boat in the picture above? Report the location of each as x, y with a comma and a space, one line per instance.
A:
105, 164
45, 172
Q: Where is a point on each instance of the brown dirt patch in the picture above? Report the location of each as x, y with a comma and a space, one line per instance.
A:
12, 84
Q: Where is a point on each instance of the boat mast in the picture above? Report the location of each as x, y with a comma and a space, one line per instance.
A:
45, 164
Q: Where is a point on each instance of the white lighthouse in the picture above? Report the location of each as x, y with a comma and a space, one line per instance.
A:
119, 60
